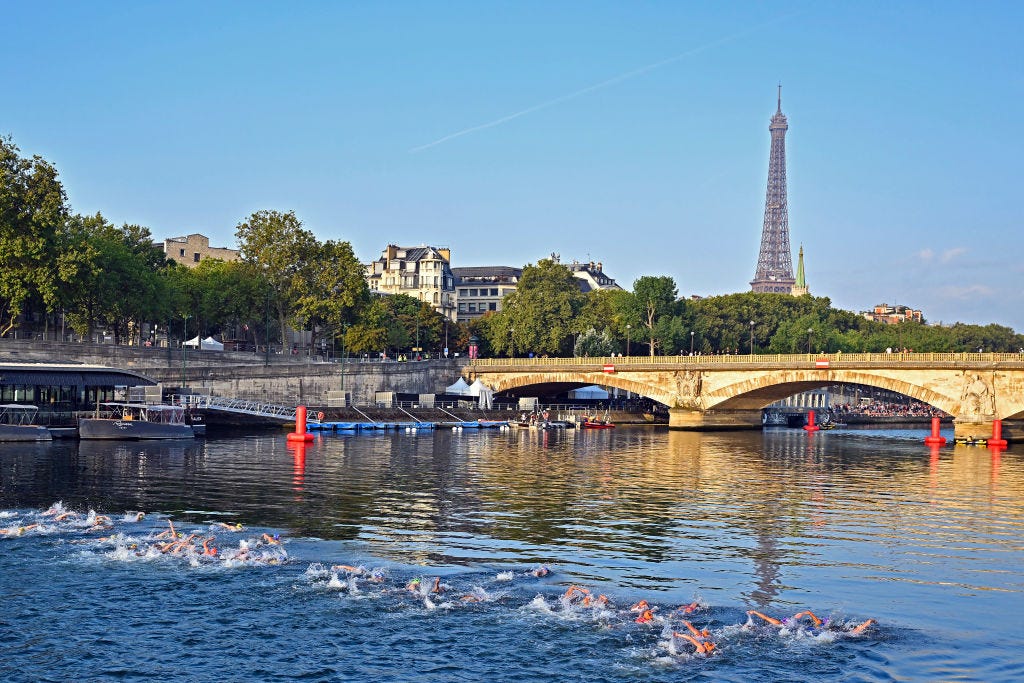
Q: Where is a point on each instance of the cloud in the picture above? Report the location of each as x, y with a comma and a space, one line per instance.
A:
966, 292
951, 254
926, 255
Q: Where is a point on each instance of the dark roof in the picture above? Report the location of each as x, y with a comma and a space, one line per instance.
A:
69, 375
503, 273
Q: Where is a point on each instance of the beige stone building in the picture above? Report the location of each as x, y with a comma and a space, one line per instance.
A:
192, 249
421, 272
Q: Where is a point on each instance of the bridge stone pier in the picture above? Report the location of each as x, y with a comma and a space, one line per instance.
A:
728, 392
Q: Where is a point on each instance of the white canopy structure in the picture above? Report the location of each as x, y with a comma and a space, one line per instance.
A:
208, 344
593, 391
477, 387
460, 388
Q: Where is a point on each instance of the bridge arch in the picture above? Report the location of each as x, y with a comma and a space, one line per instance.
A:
761, 390
503, 383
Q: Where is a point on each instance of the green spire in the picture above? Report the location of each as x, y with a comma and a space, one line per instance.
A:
800, 281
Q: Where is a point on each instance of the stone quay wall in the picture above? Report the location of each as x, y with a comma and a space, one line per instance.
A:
283, 379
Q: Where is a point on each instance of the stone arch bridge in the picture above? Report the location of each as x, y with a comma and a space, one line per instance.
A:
728, 392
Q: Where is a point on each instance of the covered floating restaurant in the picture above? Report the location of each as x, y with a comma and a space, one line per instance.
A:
60, 391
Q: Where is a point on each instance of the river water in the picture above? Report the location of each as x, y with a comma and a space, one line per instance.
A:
849, 524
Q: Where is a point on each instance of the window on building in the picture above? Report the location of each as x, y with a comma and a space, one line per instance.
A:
494, 292
472, 292
462, 308
181, 253
195, 257
472, 308
463, 292
492, 306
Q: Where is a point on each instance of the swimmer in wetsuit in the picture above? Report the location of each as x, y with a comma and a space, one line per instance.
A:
646, 617
237, 526
17, 531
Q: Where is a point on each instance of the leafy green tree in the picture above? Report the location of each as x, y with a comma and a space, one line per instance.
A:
33, 211
654, 298
276, 245
541, 315
594, 344
337, 290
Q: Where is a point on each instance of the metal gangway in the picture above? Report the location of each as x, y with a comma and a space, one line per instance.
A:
238, 406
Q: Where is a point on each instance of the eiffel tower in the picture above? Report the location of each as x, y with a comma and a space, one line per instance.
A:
775, 263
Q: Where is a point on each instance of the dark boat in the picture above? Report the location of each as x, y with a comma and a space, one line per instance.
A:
16, 424
136, 421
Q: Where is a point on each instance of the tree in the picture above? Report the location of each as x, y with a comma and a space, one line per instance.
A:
337, 289
654, 297
594, 344
276, 245
33, 211
541, 315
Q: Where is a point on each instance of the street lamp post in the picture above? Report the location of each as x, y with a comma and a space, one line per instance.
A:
810, 331
184, 348
266, 313
751, 337
691, 342
628, 328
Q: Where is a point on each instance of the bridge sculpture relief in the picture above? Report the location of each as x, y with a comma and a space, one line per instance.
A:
728, 392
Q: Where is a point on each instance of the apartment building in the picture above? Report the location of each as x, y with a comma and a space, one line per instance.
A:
421, 272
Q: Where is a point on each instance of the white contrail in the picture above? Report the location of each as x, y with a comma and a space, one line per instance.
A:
596, 86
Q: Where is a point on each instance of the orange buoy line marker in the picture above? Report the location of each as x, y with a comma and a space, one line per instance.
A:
300, 433
935, 439
997, 440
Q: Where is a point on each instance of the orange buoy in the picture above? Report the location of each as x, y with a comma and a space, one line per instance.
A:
300, 433
935, 439
811, 425
997, 440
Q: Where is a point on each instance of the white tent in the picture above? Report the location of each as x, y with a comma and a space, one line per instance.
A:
477, 387
211, 344
460, 388
208, 344
593, 391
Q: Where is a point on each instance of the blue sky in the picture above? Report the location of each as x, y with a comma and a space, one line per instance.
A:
631, 133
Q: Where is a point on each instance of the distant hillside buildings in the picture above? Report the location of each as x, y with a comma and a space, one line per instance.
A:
894, 314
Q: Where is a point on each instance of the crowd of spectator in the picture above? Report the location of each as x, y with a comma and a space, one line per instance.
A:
875, 408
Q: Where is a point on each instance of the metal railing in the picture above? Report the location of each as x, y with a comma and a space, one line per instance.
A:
895, 359
235, 405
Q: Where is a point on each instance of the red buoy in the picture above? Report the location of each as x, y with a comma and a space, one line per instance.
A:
300, 433
935, 439
997, 440
811, 425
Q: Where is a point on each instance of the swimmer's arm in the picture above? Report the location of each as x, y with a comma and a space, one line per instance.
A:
770, 620
808, 613
863, 627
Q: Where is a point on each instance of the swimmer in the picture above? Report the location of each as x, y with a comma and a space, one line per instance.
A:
599, 601
237, 526
575, 594
17, 531
272, 540
436, 588
139, 516
346, 568
413, 586
207, 549
689, 609
168, 533
646, 617
639, 607
540, 571
100, 522
701, 647
808, 613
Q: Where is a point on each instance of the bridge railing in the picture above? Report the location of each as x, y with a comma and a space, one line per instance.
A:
797, 359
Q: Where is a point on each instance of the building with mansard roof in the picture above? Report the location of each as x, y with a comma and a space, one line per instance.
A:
421, 272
